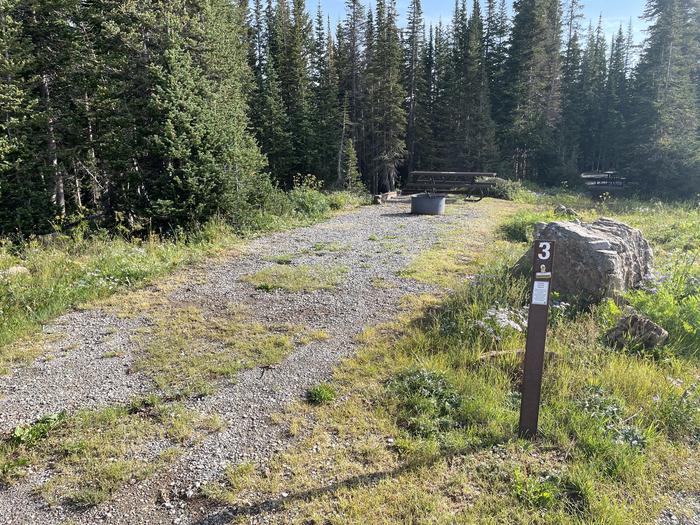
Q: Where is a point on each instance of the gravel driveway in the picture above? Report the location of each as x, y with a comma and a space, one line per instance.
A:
372, 243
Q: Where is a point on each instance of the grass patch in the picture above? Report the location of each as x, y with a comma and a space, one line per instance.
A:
321, 394
329, 247
92, 454
286, 258
301, 278
188, 352
382, 283
463, 248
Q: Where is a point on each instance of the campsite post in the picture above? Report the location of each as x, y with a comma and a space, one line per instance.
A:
536, 336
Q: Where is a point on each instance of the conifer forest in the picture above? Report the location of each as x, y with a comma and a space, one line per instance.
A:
166, 113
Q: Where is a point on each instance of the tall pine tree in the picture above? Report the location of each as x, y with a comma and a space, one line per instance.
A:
667, 98
533, 76
385, 100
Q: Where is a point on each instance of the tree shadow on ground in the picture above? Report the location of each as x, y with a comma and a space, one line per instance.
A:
222, 515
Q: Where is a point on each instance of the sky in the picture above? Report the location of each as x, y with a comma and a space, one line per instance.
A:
614, 12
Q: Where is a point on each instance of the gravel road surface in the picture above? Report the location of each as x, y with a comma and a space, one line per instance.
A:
372, 243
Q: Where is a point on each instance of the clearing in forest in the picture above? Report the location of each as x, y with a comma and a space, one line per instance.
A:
137, 402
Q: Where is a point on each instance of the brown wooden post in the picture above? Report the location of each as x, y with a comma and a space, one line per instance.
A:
536, 337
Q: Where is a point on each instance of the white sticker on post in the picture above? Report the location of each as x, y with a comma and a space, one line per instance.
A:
540, 293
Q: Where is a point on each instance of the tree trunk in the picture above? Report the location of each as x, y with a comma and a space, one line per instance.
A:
59, 197
340, 179
92, 157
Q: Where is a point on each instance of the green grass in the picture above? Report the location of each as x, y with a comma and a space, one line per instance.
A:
94, 453
76, 269
188, 353
300, 278
285, 258
463, 248
425, 431
321, 394
329, 247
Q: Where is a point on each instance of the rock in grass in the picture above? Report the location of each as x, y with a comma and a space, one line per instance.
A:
14, 271
635, 330
594, 261
565, 211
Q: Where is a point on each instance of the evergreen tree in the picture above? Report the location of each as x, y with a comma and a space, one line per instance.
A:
413, 75
353, 35
24, 194
351, 63
352, 180
459, 100
386, 97
614, 133
592, 95
534, 89
327, 119
269, 113
480, 141
442, 155
667, 99
570, 126
424, 142
496, 55
208, 160
297, 86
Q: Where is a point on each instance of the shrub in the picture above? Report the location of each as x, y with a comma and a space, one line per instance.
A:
521, 226
510, 190
321, 394
344, 199
428, 403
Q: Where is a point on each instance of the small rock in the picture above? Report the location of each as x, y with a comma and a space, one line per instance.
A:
635, 329
566, 211
15, 271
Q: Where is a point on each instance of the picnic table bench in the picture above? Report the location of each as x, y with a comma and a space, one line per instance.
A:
456, 182
602, 180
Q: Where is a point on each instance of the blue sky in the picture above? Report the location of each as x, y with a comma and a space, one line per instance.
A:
614, 12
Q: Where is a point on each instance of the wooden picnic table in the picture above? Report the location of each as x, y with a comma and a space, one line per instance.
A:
606, 178
455, 182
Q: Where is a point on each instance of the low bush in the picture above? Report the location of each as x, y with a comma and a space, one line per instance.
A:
321, 394
428, 405
521, 227
510, 190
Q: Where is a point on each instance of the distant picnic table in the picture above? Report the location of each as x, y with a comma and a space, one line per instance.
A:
467, 183
602, 180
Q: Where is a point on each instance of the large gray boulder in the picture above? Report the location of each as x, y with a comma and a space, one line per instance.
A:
596, 260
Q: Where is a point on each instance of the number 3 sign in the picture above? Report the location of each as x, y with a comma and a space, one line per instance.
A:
543, 258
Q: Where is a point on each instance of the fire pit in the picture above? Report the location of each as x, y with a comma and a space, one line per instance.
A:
428, 204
